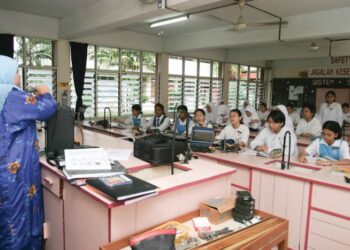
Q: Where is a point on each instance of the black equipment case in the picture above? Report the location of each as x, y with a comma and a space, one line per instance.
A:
157, 149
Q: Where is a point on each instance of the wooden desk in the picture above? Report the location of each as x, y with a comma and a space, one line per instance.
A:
271, 232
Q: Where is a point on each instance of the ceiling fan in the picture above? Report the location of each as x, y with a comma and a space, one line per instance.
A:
241, 25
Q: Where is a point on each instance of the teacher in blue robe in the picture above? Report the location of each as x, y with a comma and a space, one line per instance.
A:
21, 204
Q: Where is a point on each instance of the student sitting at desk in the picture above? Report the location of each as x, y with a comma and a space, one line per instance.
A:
309, 126
180, 124
235, 131
294, 116
200, 119
136, 119
346, 112
330, 146
160, 121
271, 137
211, 112
263, 113
250, 117
222, 114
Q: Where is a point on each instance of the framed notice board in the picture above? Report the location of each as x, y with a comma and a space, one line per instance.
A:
303, 90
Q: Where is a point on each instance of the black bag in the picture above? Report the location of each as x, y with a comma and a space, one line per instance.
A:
157, 149
59, 132
162, 239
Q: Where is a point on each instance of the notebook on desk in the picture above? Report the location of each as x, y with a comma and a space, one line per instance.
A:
135, 188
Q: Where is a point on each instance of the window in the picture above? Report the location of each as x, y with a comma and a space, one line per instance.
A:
244, 84
118, 78
200, 83
148, 82
174, 92
35, 58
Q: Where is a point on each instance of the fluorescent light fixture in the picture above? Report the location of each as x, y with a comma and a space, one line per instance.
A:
169, 21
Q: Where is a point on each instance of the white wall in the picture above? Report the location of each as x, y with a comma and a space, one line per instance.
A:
292, 67
18, 23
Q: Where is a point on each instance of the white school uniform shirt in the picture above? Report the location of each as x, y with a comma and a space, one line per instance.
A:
273, 141
130, 120
162, 126
254, 116
295, 117
314, 148
263, 115
241, 134
346, 117
183, 123
313, 127
332, 112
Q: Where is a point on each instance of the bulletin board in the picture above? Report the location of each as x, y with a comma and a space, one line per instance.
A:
304, 90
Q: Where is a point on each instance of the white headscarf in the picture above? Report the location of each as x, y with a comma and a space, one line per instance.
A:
254, 116
8, 70
289, 122
211, 117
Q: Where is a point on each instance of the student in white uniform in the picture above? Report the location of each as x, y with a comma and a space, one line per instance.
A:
222, 114
235, 131
331, 110
251, 118
211, 112
136, 119
294, 116
263, 113
330, 147
160, 121
271, 137
200, 120
180, 124
346, 112
309, 126
288, 121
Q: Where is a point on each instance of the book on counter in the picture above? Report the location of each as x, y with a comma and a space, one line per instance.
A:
116, 169
133, 189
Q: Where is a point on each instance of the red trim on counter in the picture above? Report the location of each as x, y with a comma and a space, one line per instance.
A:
250, 179
330, 213
64, 226
308, 216
109, 225
233, 164
238, 186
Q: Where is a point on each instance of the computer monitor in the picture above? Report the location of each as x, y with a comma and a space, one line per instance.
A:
202, 136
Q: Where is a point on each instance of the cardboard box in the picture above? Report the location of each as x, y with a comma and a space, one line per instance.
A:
217, 209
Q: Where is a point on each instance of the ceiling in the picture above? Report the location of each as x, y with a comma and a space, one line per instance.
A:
49, 8
224, 16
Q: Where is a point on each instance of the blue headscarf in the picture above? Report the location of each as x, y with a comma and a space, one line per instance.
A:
8, 70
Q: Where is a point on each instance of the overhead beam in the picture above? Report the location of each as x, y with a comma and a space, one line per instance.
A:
323, 24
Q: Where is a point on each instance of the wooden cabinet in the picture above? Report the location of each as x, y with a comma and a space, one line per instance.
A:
283, 197
54, 220
329, 219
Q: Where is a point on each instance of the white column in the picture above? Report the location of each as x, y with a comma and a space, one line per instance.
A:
63, 68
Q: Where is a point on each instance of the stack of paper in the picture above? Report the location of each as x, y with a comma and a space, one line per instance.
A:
86, 163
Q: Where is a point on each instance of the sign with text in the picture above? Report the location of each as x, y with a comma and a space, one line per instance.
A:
329, 72
340, 60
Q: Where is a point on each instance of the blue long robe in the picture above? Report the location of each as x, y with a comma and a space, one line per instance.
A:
21, 204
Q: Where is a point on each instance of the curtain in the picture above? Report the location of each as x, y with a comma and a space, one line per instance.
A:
79, 57
6, 45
